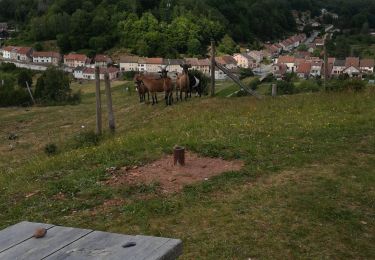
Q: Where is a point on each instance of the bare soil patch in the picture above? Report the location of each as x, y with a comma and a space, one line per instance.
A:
173, 178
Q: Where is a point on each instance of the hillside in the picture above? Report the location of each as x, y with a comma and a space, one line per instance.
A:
306, 191
167, 28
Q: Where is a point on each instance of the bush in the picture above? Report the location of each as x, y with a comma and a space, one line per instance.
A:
246, 73
337, 85
23, 77
86, 139
129, 75
285, 88
308, 86
50, 149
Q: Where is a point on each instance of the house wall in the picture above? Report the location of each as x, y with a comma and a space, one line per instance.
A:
128, 67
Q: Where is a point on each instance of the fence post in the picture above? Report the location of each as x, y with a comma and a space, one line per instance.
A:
213, 66
274, 90
99, 128
111, 116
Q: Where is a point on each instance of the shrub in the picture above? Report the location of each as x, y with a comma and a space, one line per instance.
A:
129, 75
254, 84
86, 139
285, 88
308, 86
246, 73
50, 149
354, 85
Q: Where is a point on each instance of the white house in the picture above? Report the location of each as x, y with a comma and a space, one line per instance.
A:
257, 56
338, 67
244, 60
289, 61
102, 61
74, 60
316, 68
352, 71
89, 73
366, 66
15, 53
129, 63
50, 57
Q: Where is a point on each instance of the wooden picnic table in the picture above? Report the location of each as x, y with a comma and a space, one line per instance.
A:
17, 242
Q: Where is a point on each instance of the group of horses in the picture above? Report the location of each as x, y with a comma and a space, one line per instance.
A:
184, 83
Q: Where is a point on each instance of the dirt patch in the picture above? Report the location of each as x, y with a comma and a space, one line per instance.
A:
173, 178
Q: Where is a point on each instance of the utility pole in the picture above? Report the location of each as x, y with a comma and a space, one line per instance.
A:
30, 93
99, 128
213, 66
111, 117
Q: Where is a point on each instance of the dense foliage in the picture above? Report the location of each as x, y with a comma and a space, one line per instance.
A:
169, 27
53, 87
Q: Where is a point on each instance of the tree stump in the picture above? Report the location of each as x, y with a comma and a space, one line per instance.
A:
179, 155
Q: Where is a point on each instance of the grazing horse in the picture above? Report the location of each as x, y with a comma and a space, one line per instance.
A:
155, 85
141, 89
195, 86
183, 82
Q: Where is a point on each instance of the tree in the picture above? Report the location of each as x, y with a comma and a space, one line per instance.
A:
228, 46
24, 78
54, 87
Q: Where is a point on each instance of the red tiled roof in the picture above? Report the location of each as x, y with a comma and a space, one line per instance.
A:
157, 61
304, 68
76, 56
352, 61
192, 61
204, 62
8, 48
102, 58
367, 63
46, 54
286, 59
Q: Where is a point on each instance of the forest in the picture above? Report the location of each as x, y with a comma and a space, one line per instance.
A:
167, 27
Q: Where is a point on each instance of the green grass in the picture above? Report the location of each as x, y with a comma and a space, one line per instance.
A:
307, 190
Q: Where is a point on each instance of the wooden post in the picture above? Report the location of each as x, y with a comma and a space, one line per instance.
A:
325, 63
30, 93
274, 90
213, 66
111, 116
99, 128
179, 155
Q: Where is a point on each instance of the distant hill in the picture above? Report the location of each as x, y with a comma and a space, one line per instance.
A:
167, 27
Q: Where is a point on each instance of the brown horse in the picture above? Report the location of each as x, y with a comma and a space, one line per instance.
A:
155, 85
183, 82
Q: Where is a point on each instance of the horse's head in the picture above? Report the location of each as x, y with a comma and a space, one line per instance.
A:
185, 67
137, 80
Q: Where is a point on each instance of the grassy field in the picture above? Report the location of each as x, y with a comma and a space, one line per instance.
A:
307, 190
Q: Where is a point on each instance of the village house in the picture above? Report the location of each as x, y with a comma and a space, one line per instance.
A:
227, 61
74, 60
153, 65
204, 66
174, 65
303, 70
129, 63
316, 68
352, 67
279, 70
194, 62
287, 45
274, 49
257, 56
87, 73
366, 66
102, 61
319, 42
289, 61
50, 57
15, 53
244, 60
338, 67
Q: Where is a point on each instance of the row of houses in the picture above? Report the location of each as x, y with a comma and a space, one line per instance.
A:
314, 67
286, 45
73, 60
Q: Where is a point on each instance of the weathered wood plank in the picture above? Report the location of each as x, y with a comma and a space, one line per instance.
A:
170, 250
96, 245
100, 245
55, 239
18, 233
